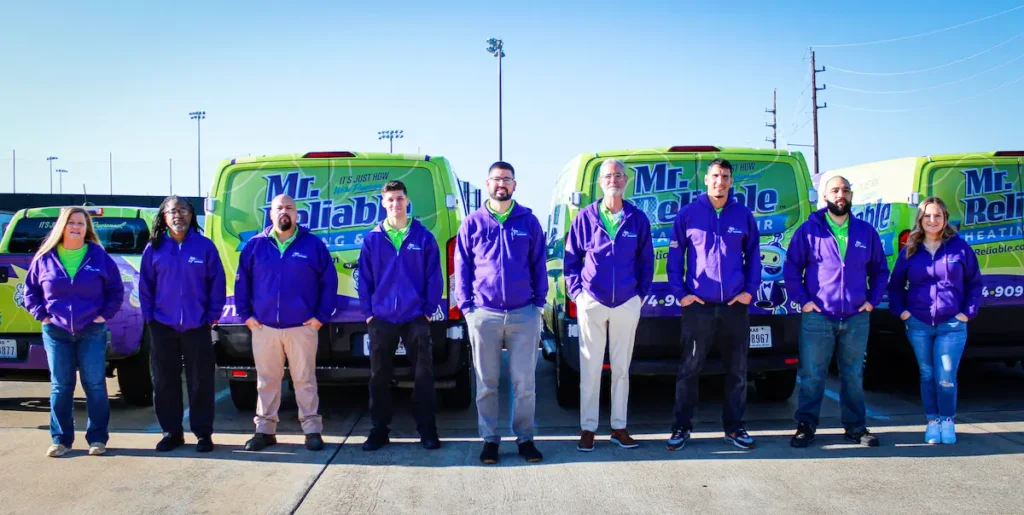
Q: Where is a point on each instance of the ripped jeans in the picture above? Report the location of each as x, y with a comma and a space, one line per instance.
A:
938, 350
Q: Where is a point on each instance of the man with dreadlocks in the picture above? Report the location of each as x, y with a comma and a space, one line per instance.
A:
182, 292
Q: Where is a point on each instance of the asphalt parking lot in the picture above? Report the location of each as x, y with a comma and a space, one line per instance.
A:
980, 474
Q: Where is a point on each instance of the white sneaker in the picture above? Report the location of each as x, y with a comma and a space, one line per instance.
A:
97, 448
56, 450
931, 433
948, 431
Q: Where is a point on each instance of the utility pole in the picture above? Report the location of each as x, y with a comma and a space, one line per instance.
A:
51, 159
775, 121
494, 47
814, 103
391, 136
61, 172
198, 116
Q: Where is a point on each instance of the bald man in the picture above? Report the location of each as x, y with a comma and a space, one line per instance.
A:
285, 291
836, 269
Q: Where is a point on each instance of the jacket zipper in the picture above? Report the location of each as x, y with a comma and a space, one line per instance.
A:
181, 289
842, 268
718, 242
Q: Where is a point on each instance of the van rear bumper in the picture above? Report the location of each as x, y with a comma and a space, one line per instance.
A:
338, 363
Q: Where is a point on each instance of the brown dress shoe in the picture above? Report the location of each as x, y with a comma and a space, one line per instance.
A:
621, 438
586, 442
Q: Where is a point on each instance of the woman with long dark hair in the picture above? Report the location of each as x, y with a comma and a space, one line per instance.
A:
182, 292
936, 288
73, 287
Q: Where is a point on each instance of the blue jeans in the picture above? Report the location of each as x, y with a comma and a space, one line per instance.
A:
820, 336
86, 352
938, 350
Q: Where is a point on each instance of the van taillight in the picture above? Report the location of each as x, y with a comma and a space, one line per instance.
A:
570, 306
454, 313
323, 155
694, 148
904, 236
1010, 153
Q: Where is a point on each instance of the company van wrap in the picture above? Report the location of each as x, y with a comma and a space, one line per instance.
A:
339, 203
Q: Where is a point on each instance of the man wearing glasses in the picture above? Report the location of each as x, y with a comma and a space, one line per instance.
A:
609, 267
501, 285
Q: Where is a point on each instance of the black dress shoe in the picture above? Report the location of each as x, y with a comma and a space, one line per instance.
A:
529, 451
378, 438
170, 442
431, 443
260, 441
205, 444
314, 442
489, 455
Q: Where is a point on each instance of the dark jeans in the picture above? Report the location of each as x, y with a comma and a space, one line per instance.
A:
85, 352
820, 336
705, 325
415, 336
938, 350
169, 349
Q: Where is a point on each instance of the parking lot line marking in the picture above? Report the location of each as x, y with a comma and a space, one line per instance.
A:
877, 415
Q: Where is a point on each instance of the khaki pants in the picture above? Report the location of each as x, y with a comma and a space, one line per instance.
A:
617, 326
270, 347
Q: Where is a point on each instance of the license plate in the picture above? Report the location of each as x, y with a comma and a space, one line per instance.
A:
366, 346
8, 349
760, 337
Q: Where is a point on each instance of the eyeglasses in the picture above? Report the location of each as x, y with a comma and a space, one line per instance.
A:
177, 212
501, 180
614, 176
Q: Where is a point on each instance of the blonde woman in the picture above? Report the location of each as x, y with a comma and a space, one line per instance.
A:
936, 288
73, 287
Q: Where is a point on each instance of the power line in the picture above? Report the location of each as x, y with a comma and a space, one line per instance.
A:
933, 106
929, 33
951, 63
916, 90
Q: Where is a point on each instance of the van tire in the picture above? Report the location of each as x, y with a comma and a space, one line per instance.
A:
243, 395
460, 396
134, 376
775, 386
567, 382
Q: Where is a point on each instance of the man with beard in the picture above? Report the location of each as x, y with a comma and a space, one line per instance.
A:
609, 267
714, 267
181, 289
836, 269
400, 285
285, 291
501, 284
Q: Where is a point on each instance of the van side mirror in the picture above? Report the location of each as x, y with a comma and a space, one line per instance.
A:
576, 198
914, 199
4, 274
451, 201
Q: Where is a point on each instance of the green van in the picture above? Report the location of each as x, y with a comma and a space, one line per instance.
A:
124, 233
338, 198
775, 185
984, 192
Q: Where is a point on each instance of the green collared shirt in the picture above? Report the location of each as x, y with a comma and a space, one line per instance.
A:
610, 220
841, 232
71, 259
501, 217
397, 236
283, 245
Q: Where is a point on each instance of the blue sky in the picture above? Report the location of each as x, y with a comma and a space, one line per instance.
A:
84, 81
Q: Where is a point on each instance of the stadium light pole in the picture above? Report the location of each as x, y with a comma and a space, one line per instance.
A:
198, 116
494, 47
391, 136
61, 173
51, 159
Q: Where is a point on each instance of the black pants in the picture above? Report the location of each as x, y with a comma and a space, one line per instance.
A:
384, 338
704, 325
169, 348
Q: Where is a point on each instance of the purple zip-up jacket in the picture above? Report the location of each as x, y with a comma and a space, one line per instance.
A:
814, 270
500, 267
72, 304
714, 256
283, 291
182, 285
611, 269
940, 287
400, 286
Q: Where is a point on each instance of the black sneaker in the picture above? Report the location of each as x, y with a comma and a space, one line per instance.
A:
803, 437
530, 452
862, 437
205, 444
260, 441
740, 439
678, 439
431, 442
378, 438
489, 456
170, 442
314, 442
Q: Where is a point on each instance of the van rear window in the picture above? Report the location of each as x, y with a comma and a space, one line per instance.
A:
117, 235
